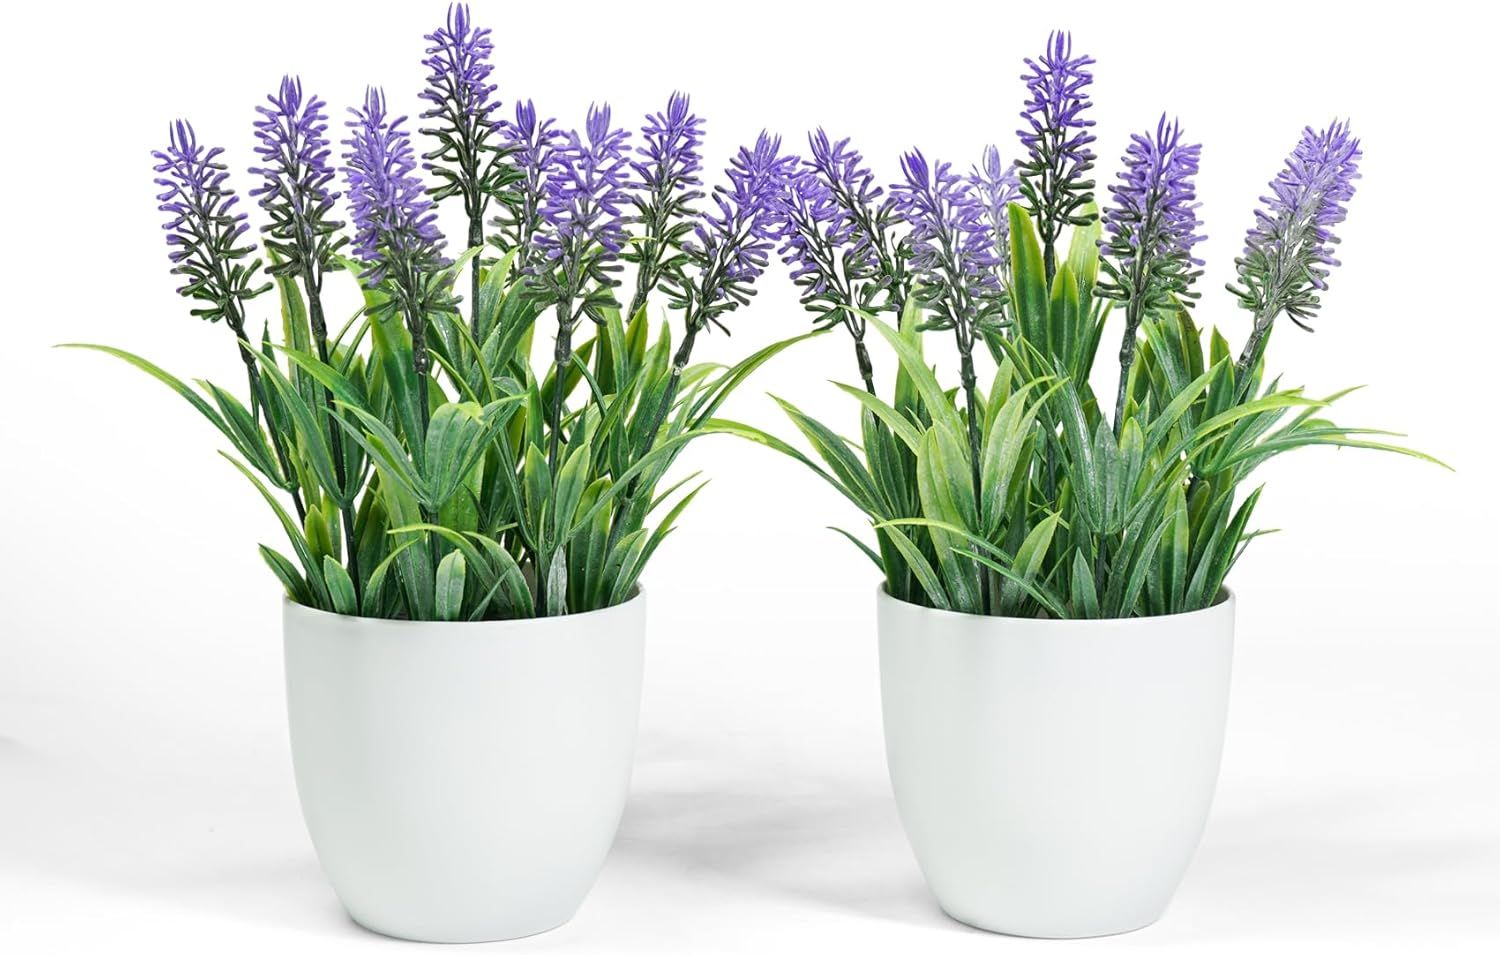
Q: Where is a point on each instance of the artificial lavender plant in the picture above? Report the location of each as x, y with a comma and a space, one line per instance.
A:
437, 471
1025, 498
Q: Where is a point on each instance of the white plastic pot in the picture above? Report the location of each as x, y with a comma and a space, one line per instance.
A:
1054, 776
462, 782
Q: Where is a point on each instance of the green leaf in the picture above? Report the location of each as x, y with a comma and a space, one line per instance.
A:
375, 583
340, 587
1028, 278
449, 598
286, 572
1085, 592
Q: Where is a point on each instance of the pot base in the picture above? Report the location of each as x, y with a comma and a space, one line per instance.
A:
502, 932
1019, 929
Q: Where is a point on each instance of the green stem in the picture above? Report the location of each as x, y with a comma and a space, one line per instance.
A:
1127, 358
335, 436
970, 384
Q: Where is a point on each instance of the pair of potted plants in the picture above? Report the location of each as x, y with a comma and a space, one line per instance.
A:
464, 627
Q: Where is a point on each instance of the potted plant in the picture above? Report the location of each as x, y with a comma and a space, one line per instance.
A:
463, 624
1055, 633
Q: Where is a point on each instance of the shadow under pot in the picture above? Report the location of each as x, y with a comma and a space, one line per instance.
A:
463, 782
1054, 776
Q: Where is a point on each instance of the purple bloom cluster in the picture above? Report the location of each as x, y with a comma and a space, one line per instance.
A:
459, 60
394, 219
670, 160
1289, 251
293, 145
668, 175
1057, 138
952, 249
852, 198
1153, 224
205, 235
586, 189
531, 145
998, 186
732, 245
811, 226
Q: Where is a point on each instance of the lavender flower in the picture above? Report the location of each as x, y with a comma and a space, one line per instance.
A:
207, 242
1153, 224
293, 135
864, 222
811, 227
1289, 250
668, 186
731, 246
530, 145
394, 220
586, 190
205, 235
952, 247
835, 234
1150, 232
396, 233
815, 234
457, 87
953, 259
998, 186
1057, 138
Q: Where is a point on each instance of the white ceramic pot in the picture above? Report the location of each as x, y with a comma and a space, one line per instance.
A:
462, 782
1054, 776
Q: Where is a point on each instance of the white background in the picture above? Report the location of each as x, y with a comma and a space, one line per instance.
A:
146, 799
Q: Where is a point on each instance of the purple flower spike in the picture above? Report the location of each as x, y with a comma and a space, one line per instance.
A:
531, 145
394, 220
459, 61
293, 144
1057, 139
669, 158
952, 249
850, 198
587, 188
205, 235
462, 111
998, 186
1153, 224
809, 222
1289, 250
732, 245
862, 221
668, 174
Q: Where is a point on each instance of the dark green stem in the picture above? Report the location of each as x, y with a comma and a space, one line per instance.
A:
476, 241
319, 324
971, 400
1127, 358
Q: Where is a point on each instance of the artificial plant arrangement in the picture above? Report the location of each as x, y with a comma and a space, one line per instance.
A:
1029, 495
422, 465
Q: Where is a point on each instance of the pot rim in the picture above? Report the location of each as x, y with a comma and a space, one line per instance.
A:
290, 606
1223, 603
